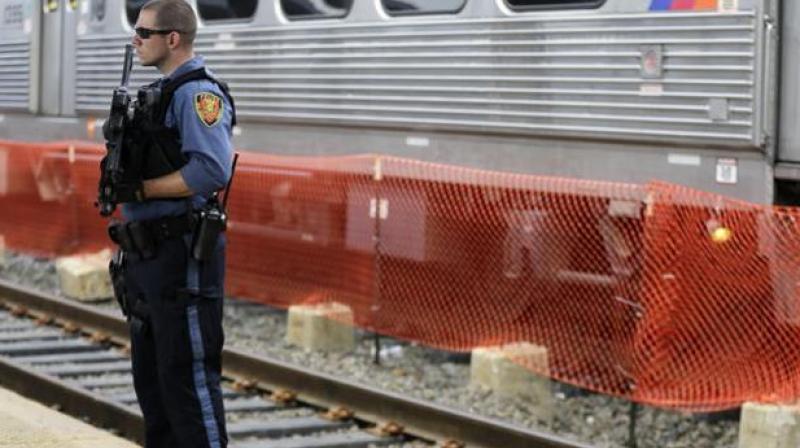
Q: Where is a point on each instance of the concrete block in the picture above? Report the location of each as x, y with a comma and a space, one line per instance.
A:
85, 277
510, 370
325, 327
769, 426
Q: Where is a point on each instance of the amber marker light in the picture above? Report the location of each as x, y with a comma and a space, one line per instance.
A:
91, 128
721, 235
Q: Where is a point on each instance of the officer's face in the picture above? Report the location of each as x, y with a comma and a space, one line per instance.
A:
153, 50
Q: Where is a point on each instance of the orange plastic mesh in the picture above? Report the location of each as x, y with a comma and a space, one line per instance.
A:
658, 293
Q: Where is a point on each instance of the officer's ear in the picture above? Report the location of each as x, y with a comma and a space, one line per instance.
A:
174, 39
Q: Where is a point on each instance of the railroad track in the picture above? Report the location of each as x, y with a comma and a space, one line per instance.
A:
74, 356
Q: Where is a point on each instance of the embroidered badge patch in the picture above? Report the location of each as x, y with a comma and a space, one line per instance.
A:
208, 107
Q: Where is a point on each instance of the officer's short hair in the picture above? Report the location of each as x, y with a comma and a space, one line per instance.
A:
174, 15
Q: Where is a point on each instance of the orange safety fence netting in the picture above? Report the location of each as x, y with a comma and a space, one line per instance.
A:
656, 292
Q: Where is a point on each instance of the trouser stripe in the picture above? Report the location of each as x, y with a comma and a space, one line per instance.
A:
200, 384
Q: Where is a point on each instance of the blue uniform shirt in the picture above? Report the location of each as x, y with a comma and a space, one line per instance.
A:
205, 141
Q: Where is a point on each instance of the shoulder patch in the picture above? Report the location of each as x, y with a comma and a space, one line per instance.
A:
209, 107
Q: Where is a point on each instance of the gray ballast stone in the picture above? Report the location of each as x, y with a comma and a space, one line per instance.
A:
85, 277
769, 426
423, 373
325, 327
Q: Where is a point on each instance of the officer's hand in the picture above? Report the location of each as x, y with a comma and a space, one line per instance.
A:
130, 191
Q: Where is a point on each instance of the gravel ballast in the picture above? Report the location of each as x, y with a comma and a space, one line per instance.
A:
440, 377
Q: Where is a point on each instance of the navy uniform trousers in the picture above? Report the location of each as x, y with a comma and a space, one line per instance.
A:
176, 345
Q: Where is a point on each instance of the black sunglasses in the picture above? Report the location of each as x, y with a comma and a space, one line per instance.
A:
145, 33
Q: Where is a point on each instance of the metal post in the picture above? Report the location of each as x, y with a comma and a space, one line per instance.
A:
377, 360
634, 409
376, 239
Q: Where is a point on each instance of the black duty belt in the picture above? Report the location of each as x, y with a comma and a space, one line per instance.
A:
143, 237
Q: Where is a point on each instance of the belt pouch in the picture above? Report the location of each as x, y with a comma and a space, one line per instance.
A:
142, 239
204, 240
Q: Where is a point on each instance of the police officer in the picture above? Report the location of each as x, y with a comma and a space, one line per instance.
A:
174, 301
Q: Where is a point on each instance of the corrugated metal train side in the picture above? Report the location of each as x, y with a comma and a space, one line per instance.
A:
677, 94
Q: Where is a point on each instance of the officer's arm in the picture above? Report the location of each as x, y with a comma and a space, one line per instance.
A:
205, 141
169, 186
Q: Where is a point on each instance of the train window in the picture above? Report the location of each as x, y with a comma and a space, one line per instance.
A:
522, 5
403, 7
132, 8
226, 9
315, 9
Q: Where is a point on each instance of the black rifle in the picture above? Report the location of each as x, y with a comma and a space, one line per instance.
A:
111, 169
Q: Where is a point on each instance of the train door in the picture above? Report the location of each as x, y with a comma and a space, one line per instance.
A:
19, 21
57, 52
789, 153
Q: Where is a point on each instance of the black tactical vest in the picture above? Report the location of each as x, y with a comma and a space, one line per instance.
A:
155, 150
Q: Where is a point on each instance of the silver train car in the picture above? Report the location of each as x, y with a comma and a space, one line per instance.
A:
702, 93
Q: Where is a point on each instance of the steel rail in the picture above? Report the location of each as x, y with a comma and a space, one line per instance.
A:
419, 418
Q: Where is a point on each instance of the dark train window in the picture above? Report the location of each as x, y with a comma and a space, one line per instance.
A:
522, 5
226, 9
132, 8
315, 9
403, 7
